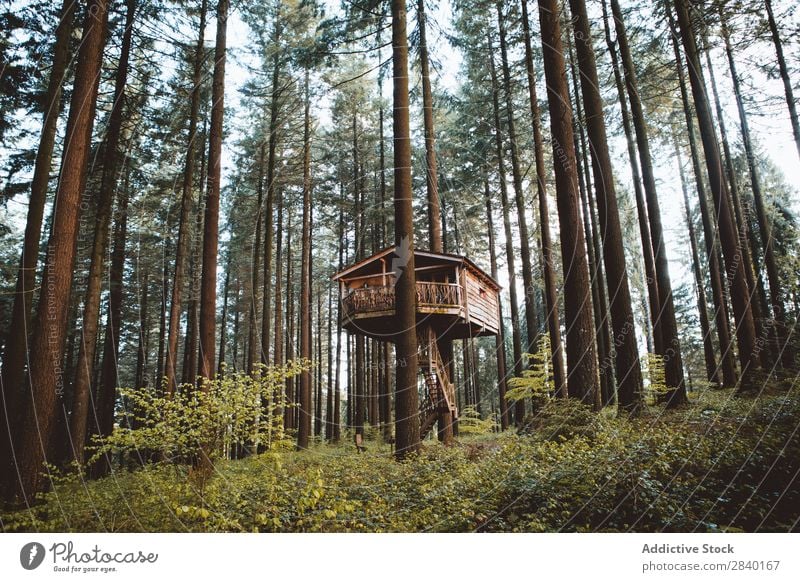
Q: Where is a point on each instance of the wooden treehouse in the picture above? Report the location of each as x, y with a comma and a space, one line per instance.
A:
455, 300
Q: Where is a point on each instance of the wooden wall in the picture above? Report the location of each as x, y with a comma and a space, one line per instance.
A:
482, 302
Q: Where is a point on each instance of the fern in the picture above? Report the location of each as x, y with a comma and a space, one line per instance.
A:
536, 382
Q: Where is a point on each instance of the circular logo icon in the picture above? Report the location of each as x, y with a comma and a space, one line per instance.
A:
31, 555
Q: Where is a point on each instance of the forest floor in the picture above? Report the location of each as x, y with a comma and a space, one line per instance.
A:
722, 463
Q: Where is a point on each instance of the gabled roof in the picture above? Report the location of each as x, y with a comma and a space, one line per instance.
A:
450, 258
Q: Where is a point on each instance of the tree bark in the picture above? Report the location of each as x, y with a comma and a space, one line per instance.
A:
764, 223
254, 345
431, 167
208, 286
500, 340
531, 330
46, 376
712, 372
673, 361
406, 400
641, 205
581, 359
110, 372
548, 261
739, 290
15, 356
224, 319
304, 428
143, 341
329, 393
288, 335
593, 245
337, 389
721, 318
277, 351
759, 305
510, 255
91, 311
186, 207
189, 375
274, 110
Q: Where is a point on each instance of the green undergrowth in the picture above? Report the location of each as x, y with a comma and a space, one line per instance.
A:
723, 463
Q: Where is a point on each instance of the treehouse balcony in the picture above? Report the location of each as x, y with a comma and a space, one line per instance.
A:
432, 297
454, 297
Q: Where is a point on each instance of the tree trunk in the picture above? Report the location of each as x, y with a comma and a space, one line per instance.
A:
208, 287
274, 110
500, 339
235, 338
14, 358
519, 198
673, 361
192, 321
143, 341
407, 406
739, 290
91, 311
277, 351
304, 428
162, 325
318, 416
337, 383
49, 330
593, 246
712, 372
787, 82
254, 345
709, 229
329, 393
581, 359
110, 372
548, 261
435, 237
750, 260
186, 207
764, 223
224, 319
288, 335
510, 255
641, 205
431, 169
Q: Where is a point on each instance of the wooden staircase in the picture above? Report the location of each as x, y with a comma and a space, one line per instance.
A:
440, 393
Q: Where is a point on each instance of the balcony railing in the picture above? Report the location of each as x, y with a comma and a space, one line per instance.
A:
377, 299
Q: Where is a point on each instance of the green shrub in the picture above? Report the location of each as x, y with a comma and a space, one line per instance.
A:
233, 410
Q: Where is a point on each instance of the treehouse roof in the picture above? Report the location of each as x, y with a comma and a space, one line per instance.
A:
384, 261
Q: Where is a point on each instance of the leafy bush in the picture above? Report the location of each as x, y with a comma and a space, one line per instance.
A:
562, 418
471, 423
232, 410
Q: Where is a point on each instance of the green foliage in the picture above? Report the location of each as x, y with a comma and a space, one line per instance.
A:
563, 418
471, 423
724, 464
656, 374
536, 382
235, 409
